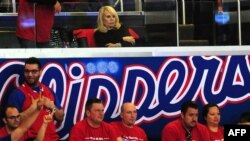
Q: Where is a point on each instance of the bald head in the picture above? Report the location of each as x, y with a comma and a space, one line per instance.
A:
128, 114
127, 106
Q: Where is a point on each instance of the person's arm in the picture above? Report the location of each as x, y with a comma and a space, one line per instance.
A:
58, 7
219, 5
28, 119
169, 133
36, 104
127, 39
17, 99
46, 120
59, 113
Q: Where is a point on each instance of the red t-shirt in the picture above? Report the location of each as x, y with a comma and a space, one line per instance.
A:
34, 21
51, 133
82, 131
135, 133
174, 131
217, 136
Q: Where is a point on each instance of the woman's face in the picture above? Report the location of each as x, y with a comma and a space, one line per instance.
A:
108, 20
213, 116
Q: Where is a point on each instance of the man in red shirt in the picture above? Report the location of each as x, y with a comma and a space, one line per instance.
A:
187, 127
32, 87
126, 128
35, 21
15, 124
93, 128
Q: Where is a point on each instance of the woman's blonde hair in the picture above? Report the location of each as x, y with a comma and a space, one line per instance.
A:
100, 25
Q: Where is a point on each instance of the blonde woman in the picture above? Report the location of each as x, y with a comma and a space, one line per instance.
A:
110, 32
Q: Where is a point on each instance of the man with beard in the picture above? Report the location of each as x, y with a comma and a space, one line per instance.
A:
32, 87
126, 128
187, 127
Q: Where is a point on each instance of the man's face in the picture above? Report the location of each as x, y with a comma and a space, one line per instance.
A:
190, 118
129, 114
12, 119
32, 74
96, 113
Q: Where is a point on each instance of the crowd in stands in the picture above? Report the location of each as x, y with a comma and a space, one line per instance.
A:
33, 106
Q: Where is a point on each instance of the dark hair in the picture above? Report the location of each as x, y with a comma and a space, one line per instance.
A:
90, 102
188, 104
3, 111
245, 117
206, 108
33, 60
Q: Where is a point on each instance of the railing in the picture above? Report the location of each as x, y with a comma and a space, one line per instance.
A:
183, 12
238, 11
238, 23
177, 23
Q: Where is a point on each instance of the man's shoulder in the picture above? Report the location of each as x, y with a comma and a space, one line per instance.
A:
18, 89
139, 129
176, 122
80, 124
173, 125
84, 121
45, 87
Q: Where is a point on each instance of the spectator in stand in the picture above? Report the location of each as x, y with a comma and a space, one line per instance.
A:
126, 128
34, 22
32, 87
110, 32
16, 130
245, 118
186, 128
211, 114
16, 124
93, 127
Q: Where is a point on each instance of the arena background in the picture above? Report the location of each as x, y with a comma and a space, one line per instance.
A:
156, 79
